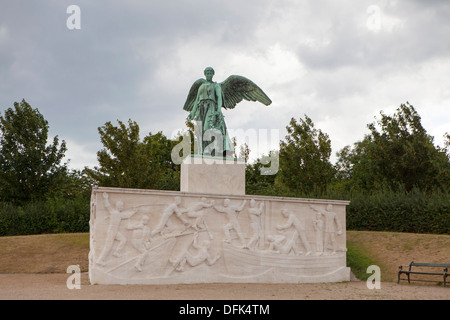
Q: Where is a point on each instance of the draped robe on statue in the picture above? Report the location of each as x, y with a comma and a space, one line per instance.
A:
207, 110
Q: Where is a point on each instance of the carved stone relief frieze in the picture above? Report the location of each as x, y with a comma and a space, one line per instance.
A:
173, 237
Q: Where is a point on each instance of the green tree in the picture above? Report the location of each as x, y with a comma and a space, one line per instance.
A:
163, 173
244, 152
73, 184
127, 162
29, 168
257, 181
446, 147
397, 154
304, 158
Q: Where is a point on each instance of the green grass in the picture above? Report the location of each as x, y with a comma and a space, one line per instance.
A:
358, 260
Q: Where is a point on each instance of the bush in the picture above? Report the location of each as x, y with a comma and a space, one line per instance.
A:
415, 212
401, 211
57, 215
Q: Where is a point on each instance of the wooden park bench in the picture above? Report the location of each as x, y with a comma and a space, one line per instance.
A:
435, 269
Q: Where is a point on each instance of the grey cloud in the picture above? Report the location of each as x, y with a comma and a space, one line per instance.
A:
419, 36
111, 68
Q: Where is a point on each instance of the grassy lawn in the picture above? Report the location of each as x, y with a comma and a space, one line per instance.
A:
388, 250
46, 253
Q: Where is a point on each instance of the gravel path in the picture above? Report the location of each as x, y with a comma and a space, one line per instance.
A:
53, 287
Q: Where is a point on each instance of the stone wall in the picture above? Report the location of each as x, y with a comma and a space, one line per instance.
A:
166, 237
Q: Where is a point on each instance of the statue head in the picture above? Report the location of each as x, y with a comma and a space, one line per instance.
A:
119, 205
209, 73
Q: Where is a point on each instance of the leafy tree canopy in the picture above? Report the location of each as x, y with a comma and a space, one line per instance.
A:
398, 153
29, 168
127, 162
304, 158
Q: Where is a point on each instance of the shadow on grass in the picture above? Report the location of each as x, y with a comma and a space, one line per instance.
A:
358, 260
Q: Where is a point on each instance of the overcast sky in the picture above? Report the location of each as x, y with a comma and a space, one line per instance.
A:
339, 62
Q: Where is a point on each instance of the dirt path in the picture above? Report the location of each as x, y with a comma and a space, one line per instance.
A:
53, 286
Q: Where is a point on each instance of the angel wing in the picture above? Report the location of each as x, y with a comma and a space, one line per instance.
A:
192, 95
235, 88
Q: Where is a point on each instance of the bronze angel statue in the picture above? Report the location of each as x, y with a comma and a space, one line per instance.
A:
205, 102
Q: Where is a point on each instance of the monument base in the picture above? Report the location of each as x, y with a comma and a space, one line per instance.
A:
213, 175
169, 237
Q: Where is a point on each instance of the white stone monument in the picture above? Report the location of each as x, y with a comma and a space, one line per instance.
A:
211, 232
206, 174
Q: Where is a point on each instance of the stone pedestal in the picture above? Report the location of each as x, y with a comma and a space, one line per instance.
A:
170, 237
212, 175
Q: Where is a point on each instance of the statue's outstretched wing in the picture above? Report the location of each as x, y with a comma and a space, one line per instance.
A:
190, 100
236, 88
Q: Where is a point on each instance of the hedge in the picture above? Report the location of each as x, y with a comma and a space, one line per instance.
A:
51, 216
415, 212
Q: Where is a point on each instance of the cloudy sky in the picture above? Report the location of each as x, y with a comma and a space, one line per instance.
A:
338, 62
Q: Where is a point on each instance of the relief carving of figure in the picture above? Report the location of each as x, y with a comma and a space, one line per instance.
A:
116, 215
275, 242
173, 208
298, 226
331, 223
318, 229
284, 244
233, 223
140, 239
202, 255
197, 211
255, 223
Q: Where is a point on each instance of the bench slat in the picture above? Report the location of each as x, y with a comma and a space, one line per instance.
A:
417, 272
437, 265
